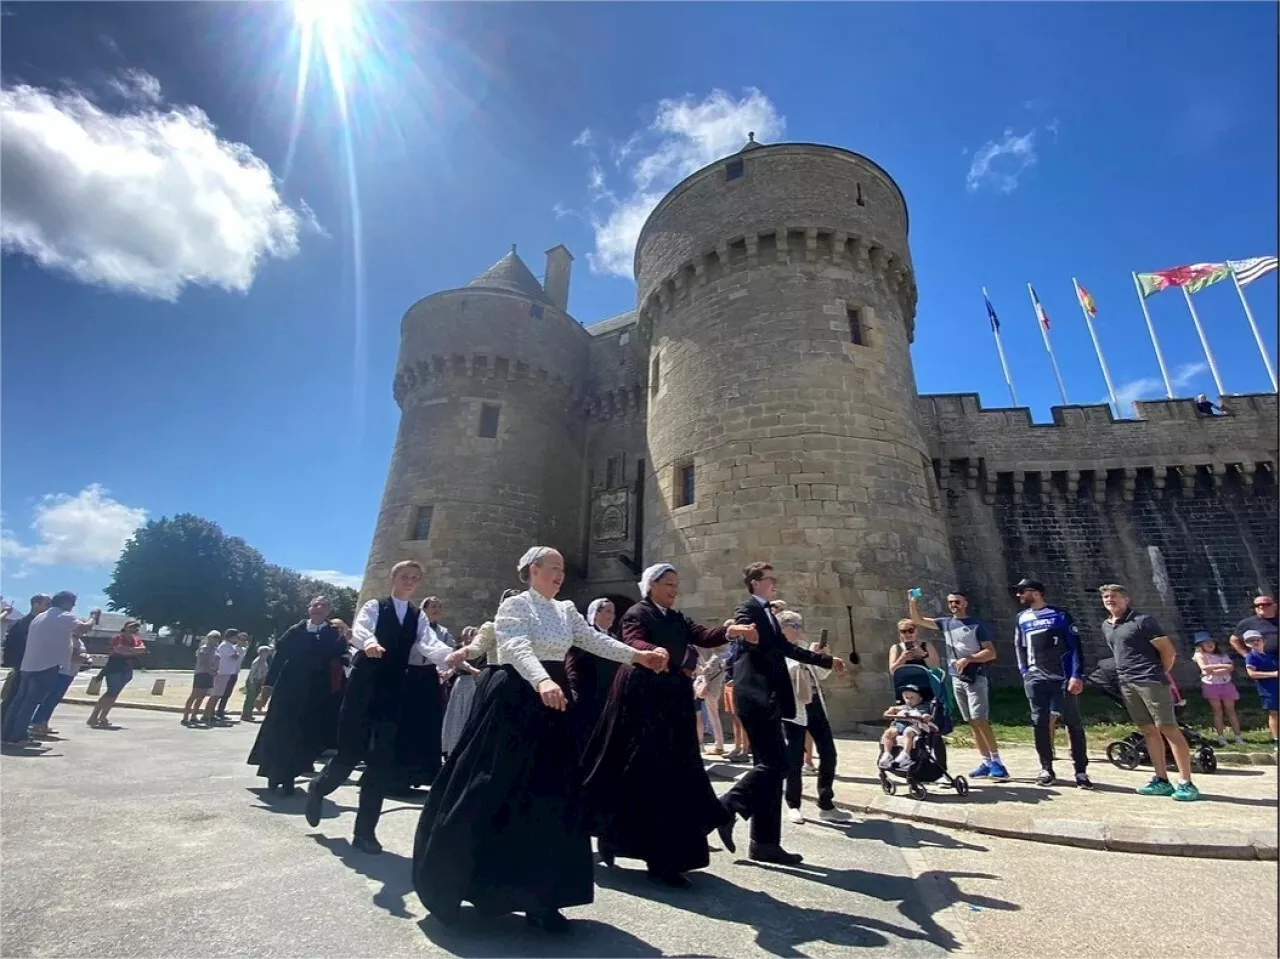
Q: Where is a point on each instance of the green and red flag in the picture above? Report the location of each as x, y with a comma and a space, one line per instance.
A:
1194, 277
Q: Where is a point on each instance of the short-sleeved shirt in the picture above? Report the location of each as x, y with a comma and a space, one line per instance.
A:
962, 637
1264, 662
206, 658
1137, 661
228, 658
49, 640
1267, 626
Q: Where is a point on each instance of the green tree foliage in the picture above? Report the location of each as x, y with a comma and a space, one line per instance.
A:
186, 573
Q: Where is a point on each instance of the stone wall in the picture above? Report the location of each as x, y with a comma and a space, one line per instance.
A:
1179, 507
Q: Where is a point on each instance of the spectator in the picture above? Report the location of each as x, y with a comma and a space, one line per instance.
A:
50, 646
202, 680
909, 649
1263, 668
969, 649
1047, 644
257, 673
1217, 685
1206, 407
1264, 620
44, 712
15, 644
126, 647
1144, 657
228, 668
240, 641
710, 685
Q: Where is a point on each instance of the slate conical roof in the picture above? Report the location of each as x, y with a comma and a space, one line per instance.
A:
512, 275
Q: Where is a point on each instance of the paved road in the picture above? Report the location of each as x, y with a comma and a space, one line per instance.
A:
155, 840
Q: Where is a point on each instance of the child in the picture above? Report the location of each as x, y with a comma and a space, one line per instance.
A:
257, 674
908, 720
1264, 668
1216, 685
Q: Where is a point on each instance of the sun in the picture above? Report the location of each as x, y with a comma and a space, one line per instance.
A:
326, 17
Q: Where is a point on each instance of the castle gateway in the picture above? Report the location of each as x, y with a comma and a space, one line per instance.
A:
760, 403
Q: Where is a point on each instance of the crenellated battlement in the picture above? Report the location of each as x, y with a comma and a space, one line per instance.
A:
1169, 450
626, 401
439, 369
787, 246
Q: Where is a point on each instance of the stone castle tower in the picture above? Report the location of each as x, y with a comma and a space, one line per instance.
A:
760, 403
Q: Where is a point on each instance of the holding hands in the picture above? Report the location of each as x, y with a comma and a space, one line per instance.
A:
656, 660
457, 657
744, 631
374, 651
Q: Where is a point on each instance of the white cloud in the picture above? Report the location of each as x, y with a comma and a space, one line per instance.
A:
146, 200
1152, 387
335, 578
88, 530
999, 163
583, 139
685, 135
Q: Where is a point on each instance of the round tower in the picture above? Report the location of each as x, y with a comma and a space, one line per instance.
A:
777, 303
487, 459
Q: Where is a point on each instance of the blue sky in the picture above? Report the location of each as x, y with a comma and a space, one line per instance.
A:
187, 326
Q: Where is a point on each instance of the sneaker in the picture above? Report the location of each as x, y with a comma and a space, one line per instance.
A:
795, 817
809, 770
982, 771
1186, 792
903, 762
1083, 781
998, 772
1045, 778
885, 761
1157, 787
833, 815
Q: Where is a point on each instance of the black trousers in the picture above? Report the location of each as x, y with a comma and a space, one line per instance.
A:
1047, 696
757, 796
825, 747
375, 782
221, 709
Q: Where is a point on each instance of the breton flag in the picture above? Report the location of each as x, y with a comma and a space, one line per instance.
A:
1041, 315
1086, 300
1247, 271
991, 313
1193, 278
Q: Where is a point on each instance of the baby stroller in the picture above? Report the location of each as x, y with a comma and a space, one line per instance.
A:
929, 758
1131, 752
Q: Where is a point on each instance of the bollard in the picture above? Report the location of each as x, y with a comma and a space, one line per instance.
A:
157, 688
95, 686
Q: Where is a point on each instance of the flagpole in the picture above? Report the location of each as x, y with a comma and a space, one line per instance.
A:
1004, 364
1093, 335
1204, 341
1044, 332
1253, 324
1164, 372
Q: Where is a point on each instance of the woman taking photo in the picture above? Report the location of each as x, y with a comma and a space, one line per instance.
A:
502, 827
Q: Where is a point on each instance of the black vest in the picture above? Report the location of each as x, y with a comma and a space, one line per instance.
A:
395, 637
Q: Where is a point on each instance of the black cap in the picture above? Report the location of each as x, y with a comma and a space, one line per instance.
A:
1027, 583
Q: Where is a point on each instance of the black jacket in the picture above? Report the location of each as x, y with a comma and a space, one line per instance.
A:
15, 642
761, 682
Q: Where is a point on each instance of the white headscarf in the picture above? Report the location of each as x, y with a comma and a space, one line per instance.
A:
595, 608
652, 575
531, 556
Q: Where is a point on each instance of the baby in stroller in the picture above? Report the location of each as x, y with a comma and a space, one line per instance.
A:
909, 720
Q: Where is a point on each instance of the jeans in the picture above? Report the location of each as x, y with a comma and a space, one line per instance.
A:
44, 712
1050, 695
816, 717
34, 687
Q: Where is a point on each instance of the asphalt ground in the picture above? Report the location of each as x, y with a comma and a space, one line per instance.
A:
157, 840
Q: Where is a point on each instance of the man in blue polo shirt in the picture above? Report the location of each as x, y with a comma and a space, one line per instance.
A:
1047, 644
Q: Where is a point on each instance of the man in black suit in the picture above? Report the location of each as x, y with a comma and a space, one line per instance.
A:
763, 697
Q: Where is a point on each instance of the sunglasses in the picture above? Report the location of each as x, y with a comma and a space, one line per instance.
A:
1264, 605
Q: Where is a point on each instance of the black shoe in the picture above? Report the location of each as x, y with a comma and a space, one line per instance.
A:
552, 920
607, 855
673, 879
725, 829
366, 844
287, 789
1046, 778
1083, 781
774, 853
186, 722
312, 808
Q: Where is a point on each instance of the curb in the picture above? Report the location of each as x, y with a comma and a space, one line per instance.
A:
152, 707
1088, 834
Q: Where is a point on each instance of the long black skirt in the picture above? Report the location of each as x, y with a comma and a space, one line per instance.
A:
418, 743
296, 729
647, 791
503, 827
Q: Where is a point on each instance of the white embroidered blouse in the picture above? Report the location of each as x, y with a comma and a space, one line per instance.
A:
485, 642
531, 628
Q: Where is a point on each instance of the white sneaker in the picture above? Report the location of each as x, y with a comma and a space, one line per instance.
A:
795, 817
885, 761
834, 815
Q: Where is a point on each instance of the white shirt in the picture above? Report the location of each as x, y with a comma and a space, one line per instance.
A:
73, 665
531, 628
768, 611
49, 641
427, 649
228, 658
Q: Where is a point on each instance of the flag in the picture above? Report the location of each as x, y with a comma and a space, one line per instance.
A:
1086, 301
1251, 269
1041, 315
991, 313
1194, 277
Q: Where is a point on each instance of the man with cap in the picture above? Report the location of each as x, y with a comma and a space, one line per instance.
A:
1144, 656
1051, 660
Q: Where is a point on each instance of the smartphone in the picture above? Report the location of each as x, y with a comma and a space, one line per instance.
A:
915, 593
822, 639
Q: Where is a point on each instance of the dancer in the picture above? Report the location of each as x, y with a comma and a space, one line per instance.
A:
299, 685
763, 697
502, 828
641, 758
126, 646
590, 677
391, 634
460, 698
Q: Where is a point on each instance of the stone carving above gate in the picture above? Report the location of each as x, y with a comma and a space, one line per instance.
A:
610, 517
